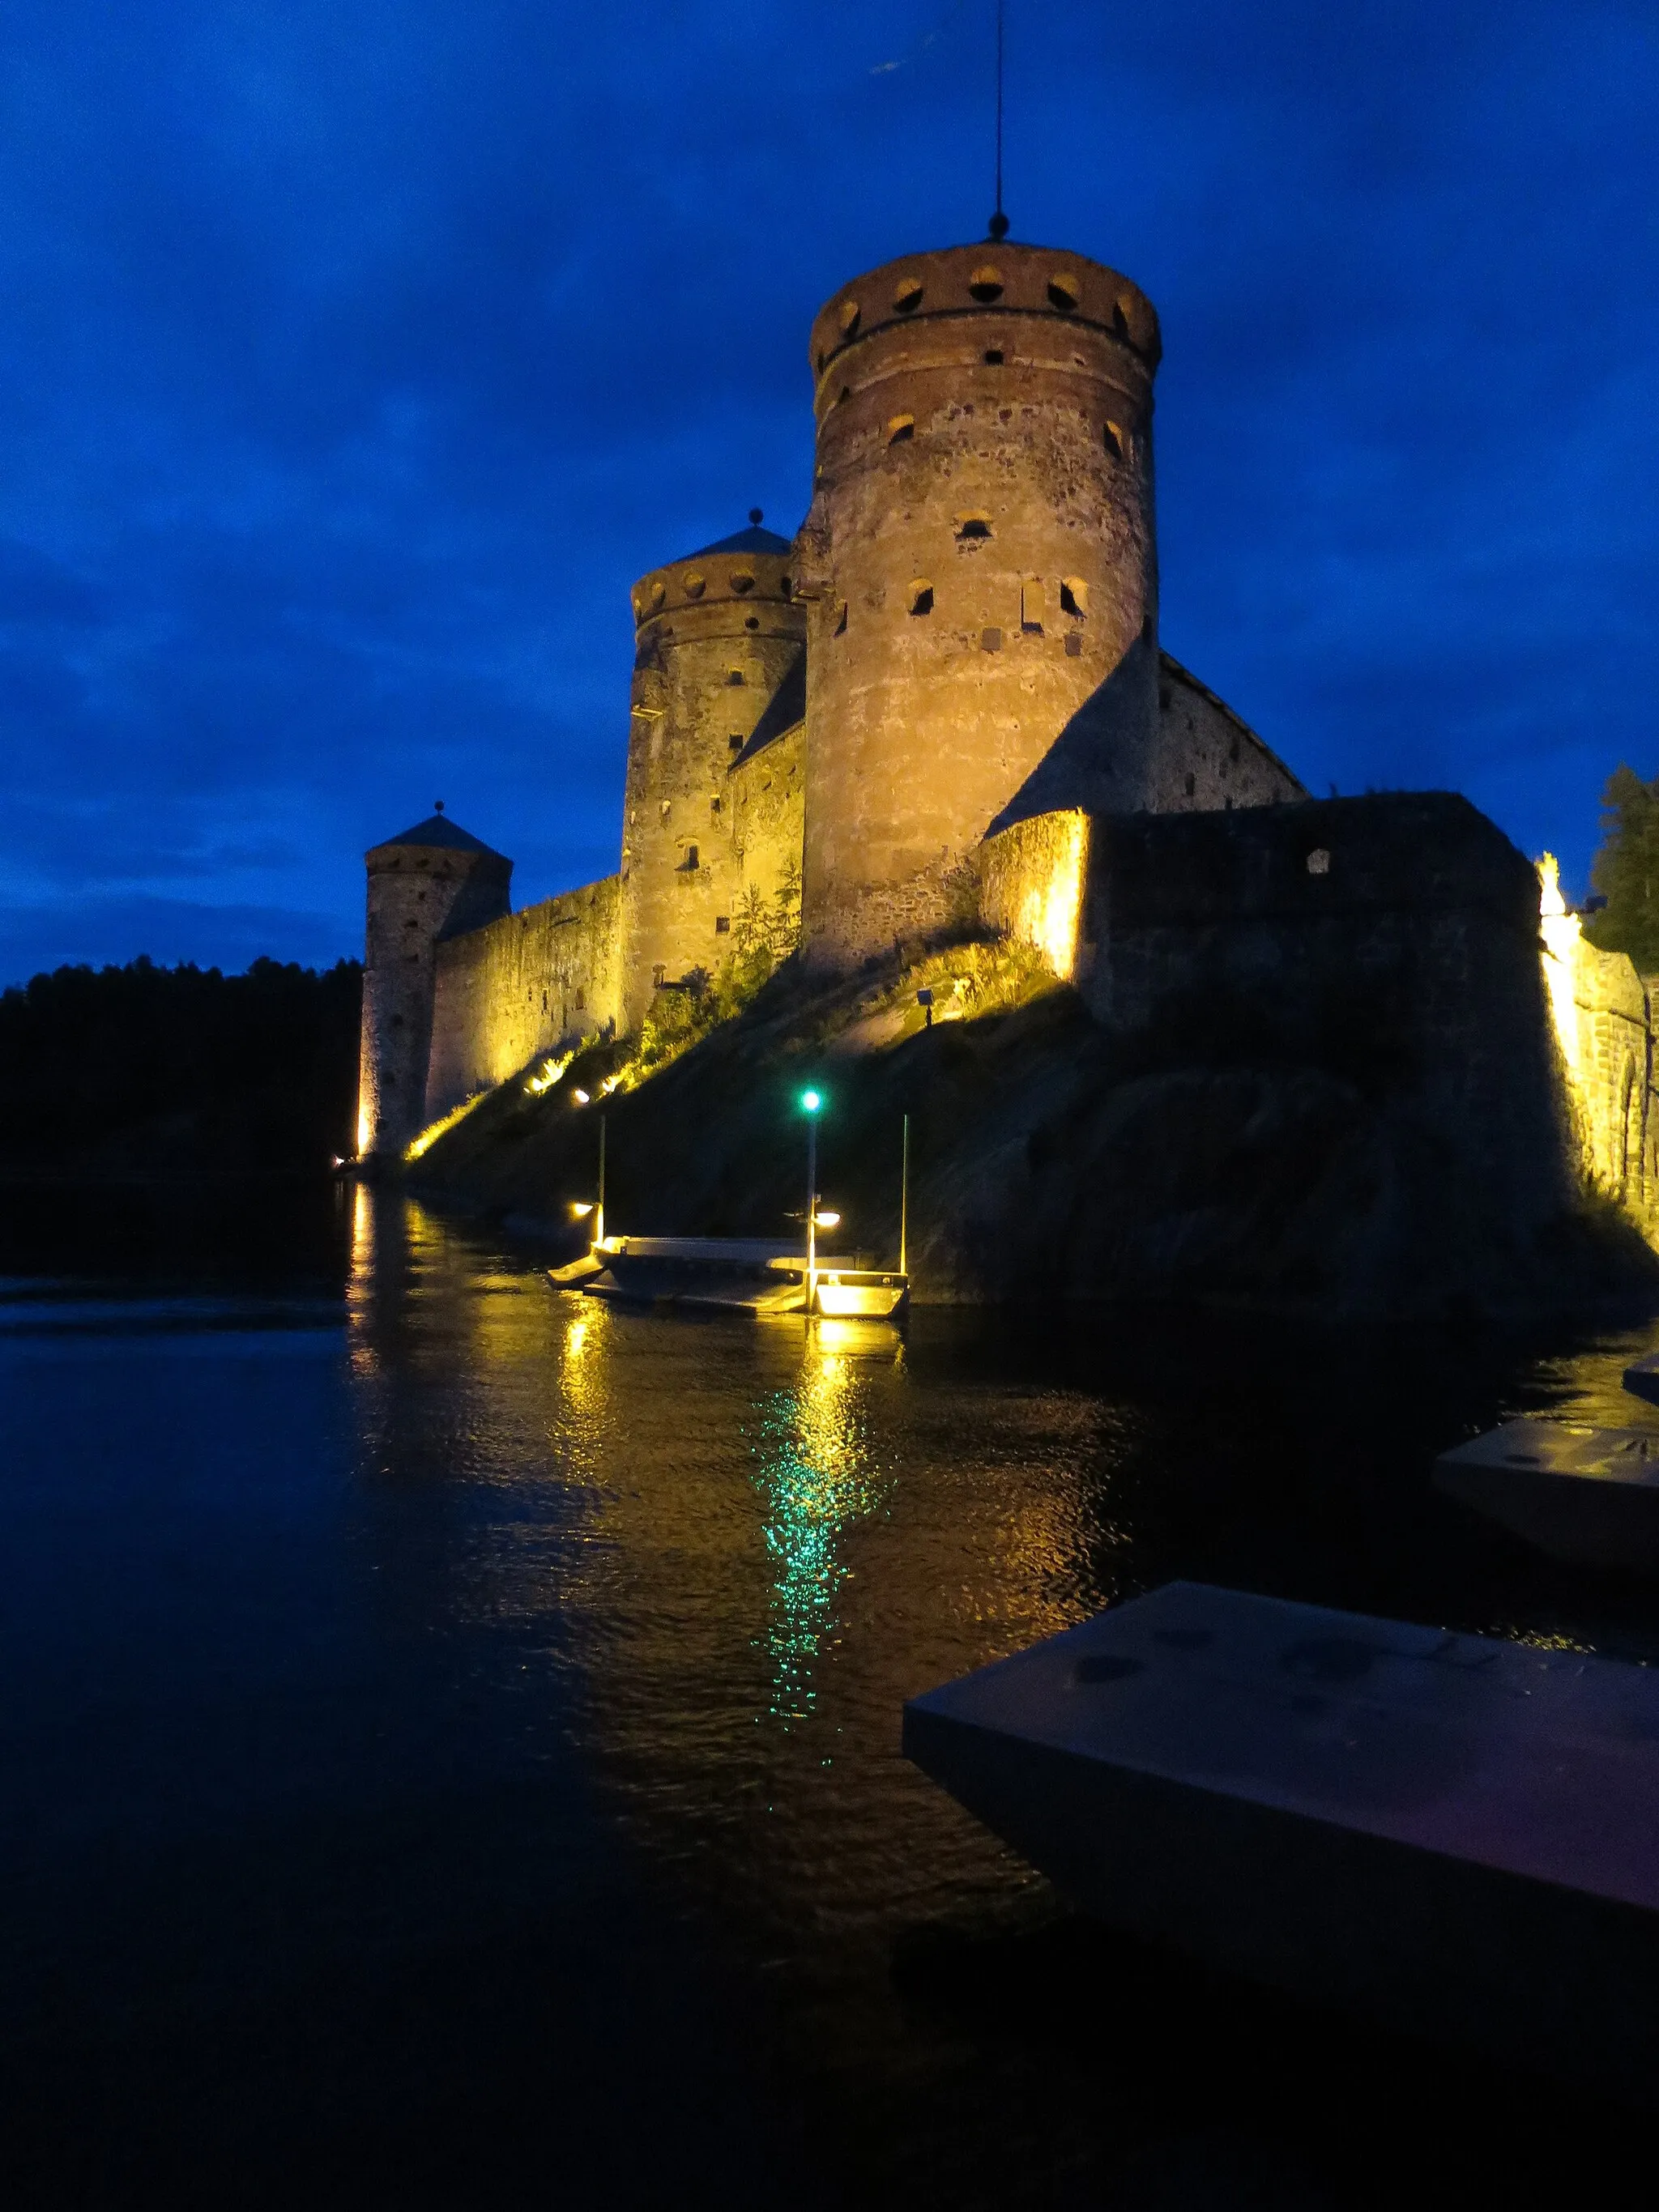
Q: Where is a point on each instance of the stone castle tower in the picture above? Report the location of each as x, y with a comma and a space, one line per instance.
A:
720, 637
963, 637
433, 879
981, 561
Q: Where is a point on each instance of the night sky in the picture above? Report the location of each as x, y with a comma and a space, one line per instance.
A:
358, 355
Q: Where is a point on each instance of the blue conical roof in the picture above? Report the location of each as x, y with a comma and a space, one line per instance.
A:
439, 830
752, 540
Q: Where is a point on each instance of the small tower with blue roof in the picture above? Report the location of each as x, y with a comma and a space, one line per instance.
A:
434, 880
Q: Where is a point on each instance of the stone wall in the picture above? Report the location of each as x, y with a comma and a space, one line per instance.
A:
1603, 1011
981, 565
527, 985
767, 811
1392, 942
1209, 760
1033, 880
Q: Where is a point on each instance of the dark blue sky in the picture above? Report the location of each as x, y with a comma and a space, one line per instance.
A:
359, 353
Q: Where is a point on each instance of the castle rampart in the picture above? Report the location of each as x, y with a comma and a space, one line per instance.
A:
528, 983
982, 565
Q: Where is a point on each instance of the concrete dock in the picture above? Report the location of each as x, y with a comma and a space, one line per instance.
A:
1585, 1495
1451, 1835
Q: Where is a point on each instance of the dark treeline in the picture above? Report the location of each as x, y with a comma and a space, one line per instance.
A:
144, 1069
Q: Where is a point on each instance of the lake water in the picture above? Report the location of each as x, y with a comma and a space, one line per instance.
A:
450, 1733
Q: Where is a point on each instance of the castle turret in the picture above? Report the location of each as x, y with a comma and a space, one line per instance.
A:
718, 635
982, 570
434, 880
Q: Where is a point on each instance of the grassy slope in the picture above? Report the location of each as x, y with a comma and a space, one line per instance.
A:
1040, 1161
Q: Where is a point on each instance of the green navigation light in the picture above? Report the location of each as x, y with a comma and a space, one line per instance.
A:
811, 1101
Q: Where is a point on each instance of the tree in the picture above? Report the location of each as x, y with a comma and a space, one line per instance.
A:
1626, 871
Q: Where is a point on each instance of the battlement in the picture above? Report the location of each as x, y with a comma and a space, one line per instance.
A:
729, 580
984, 283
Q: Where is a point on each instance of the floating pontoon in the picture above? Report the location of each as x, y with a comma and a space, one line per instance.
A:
732, 1274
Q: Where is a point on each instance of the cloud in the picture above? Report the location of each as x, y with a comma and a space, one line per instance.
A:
358, 359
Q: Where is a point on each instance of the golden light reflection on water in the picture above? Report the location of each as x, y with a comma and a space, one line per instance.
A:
817, 1476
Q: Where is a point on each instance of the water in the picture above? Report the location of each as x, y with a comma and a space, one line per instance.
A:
450, 1733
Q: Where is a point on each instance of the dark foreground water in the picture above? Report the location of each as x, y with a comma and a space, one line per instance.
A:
448, 1736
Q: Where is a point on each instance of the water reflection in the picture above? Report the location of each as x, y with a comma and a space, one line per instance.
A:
501, 1602
817, 1476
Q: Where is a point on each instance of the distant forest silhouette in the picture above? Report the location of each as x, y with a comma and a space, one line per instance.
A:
147, 1070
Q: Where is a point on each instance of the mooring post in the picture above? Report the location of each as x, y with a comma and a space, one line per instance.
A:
904, 1201
599, 1222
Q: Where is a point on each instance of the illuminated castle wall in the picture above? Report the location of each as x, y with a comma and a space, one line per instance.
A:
825, 732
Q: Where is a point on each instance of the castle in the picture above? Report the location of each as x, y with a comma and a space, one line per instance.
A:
832, 737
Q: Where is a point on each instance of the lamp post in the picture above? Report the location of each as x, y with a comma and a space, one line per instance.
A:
812, 1103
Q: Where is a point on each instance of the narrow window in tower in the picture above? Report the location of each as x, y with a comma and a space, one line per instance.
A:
742, 581
844, 395
581, 999
906, 294
734, 743
1074, 644
1113, 440
921, 596
972, 529
666, 804
1033, 604
993, 357
658, 592
991, 640
659, 975
1073, 597
751, 621
849, 318
734, 676
722, 924
784, 586
1063, 291
899, 428
1120, 319
713, 806
841, 619
986, 285
696, 586
690, 860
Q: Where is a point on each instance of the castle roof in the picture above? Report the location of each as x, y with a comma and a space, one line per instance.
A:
439, 830
752, 540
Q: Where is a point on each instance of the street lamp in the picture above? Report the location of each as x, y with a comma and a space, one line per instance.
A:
812, 1104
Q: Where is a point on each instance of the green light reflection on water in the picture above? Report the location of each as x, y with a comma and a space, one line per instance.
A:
817, 1476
